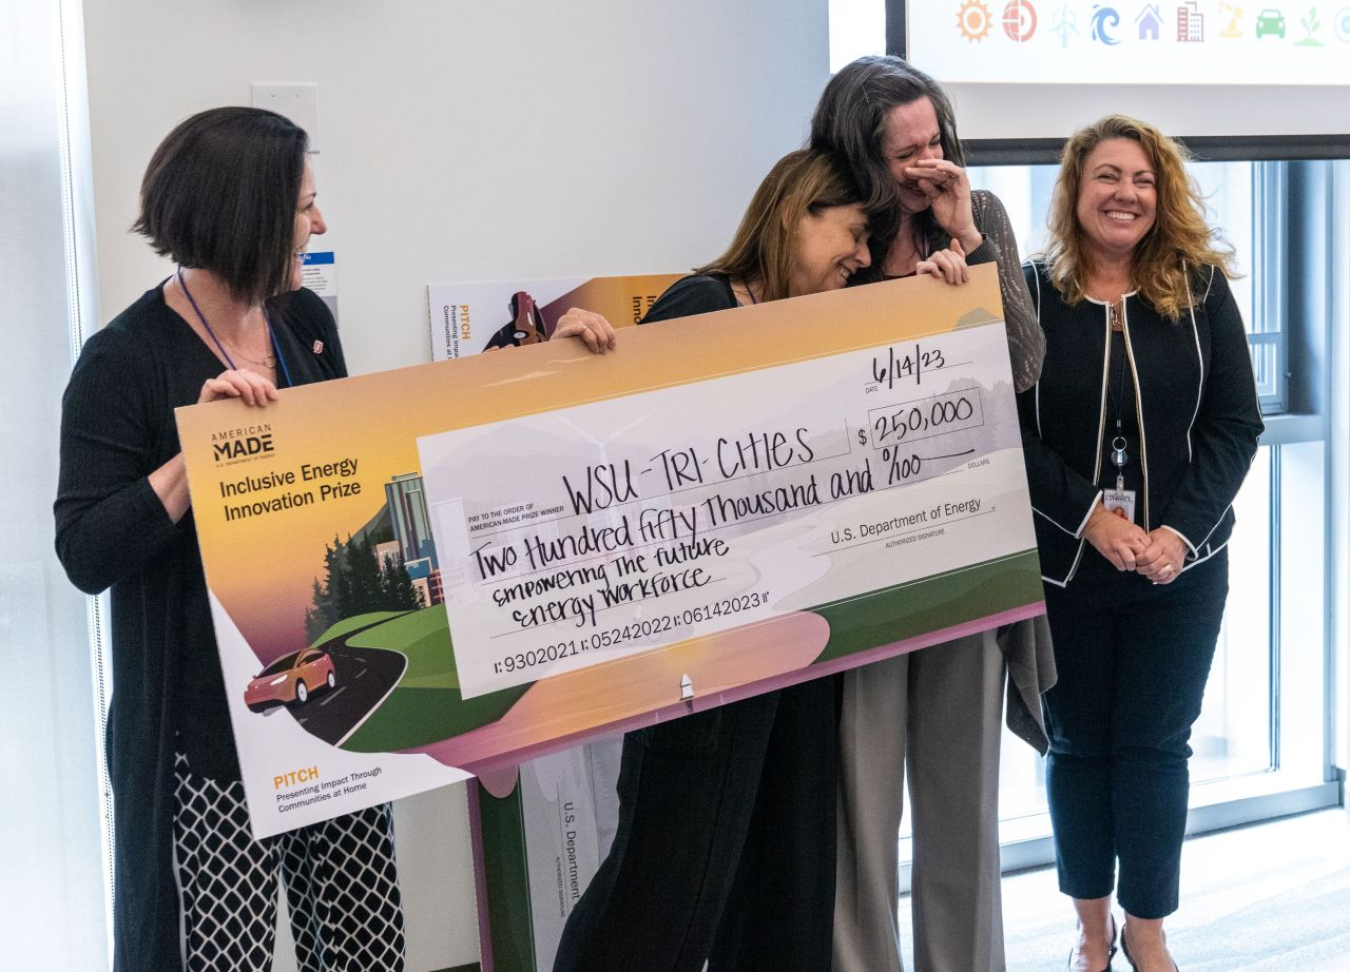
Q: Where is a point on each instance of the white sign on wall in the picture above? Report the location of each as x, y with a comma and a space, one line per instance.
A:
1210, 42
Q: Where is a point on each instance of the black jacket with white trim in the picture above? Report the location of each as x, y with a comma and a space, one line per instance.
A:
1199, 419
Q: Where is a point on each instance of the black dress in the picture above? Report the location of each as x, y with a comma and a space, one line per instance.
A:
725, 845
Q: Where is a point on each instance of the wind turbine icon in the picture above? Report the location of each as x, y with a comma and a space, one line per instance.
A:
1065, 24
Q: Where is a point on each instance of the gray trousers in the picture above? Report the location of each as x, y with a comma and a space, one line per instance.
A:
936, 714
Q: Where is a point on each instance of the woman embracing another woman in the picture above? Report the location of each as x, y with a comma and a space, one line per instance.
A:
724, 852
934, 716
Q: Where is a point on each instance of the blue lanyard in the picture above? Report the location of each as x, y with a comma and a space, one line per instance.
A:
271, 334
276, 347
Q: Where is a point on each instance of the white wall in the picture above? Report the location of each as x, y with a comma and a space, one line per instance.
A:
52, 893
464, 141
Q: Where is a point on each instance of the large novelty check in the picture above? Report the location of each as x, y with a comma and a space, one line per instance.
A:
724, 505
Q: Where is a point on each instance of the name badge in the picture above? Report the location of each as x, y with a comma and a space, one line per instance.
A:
1120, 502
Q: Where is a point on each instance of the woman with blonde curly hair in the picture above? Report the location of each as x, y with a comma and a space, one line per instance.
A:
1138, 435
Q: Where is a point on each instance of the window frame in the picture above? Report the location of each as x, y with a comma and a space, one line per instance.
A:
1291, 222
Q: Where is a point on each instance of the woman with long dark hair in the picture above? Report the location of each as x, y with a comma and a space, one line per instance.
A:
933, 715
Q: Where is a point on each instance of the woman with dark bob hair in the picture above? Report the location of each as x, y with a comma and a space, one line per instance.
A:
724, 851
935, 714
230, 196
1138, 436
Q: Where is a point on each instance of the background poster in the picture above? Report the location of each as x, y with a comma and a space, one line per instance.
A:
470, 317
564, 812
1209, 42
320, 275
329, 592
538, 844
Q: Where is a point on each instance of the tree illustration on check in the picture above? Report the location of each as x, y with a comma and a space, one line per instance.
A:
356, 582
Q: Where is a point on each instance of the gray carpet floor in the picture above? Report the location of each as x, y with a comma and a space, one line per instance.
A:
1268, 898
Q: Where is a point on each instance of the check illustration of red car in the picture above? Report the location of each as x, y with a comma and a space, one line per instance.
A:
291, 679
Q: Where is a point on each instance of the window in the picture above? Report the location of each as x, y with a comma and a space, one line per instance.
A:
1260, 745
53, 897
857, 27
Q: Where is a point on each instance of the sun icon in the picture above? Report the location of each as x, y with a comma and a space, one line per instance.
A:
974, 20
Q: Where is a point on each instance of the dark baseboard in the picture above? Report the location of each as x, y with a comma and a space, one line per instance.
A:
1206, 148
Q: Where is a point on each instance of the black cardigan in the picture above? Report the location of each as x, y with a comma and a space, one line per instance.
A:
117, 426
1197, 410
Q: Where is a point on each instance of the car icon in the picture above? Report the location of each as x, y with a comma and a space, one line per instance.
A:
525, 327
1270, 22
291, 679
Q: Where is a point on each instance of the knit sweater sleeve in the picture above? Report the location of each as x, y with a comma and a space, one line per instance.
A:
109, 521
1026, 341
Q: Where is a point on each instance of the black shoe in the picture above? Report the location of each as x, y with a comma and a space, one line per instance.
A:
1125, 948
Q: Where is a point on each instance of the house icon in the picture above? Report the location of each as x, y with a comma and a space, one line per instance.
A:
1150, 22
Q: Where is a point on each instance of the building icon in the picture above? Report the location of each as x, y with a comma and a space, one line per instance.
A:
388, 551
426, 581
1190, 23
1150, 22
408, 516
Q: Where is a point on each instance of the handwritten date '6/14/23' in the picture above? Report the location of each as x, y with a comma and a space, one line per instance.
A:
906, 364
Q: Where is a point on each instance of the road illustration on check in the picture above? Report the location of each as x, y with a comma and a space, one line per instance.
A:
395, 686
330, 687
